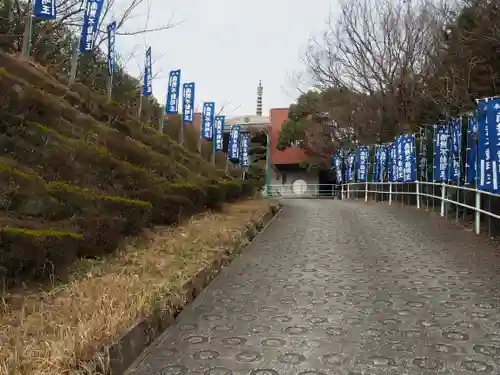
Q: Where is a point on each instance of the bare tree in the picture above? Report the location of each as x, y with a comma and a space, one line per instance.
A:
378, 49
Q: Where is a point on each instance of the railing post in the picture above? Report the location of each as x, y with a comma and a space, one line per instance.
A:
366, 191
342, 191
443, 195
418, 193
348, 191
477, 220
390, 193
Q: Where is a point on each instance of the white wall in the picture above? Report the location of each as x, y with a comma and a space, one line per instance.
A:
285, 187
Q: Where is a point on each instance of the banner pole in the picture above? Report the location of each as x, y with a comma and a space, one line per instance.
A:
268, 165
162, 120
181, 132
415, 168
28, 31
139, 112
74, 63
213, 145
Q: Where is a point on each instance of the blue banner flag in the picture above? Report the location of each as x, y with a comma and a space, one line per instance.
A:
337, 166
422, 154
90, 27
456, 150
174, 85
245, 150
188, 102
148, 75
111, 47
399, 159
494, 126
349, 166
376, 161
471, 151
234, 147
362, 156
392, 163
45, 9
219, 132
409, 166
489, 143
384, 159
207, 121
381, 163
442, 153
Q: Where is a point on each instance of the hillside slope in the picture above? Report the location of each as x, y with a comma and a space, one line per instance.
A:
77, 174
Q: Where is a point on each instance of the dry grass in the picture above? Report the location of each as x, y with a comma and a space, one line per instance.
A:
47, 332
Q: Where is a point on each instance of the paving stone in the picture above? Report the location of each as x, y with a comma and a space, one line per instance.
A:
344, 287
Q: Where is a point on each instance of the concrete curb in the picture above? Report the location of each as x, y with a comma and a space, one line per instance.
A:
115, 359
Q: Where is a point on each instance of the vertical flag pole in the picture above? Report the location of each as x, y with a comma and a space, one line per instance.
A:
73, 63
181, 132
417, 185
28, 31
477, 221
268, 165
459, 145
213, 143
434, 166
139, 112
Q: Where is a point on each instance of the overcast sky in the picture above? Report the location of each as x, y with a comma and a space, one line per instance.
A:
226, 46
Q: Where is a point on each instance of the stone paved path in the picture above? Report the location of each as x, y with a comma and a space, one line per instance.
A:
336, 287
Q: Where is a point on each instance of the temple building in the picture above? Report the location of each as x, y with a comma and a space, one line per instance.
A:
286, 172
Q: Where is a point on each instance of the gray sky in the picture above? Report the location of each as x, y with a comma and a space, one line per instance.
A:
226, 46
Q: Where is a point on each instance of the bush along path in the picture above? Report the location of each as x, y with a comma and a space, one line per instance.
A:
111, 309
78, 174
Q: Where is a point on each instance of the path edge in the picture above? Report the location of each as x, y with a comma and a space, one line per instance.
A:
117, 358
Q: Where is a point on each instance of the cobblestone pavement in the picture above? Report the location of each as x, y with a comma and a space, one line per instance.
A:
336, 287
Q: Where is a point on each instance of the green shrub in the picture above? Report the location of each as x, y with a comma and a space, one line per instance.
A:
23, 193
77, 201
101, 235
215, 195
233, 188
36, 254
195, 193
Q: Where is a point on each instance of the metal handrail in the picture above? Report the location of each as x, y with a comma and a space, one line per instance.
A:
367, 189
390, 191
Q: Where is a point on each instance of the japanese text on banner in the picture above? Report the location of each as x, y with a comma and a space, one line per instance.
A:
409, 158
111, 47
148, 75
188, 102
393, 163
471, 151
245, 149
207, 121
441, 153
375, 172
363, 153
234, 139
399, 159
485, 173
337, 166
493, 119
382, 167
349, 165
46, 9
174, 84
90, 27
219, 132
455, 150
